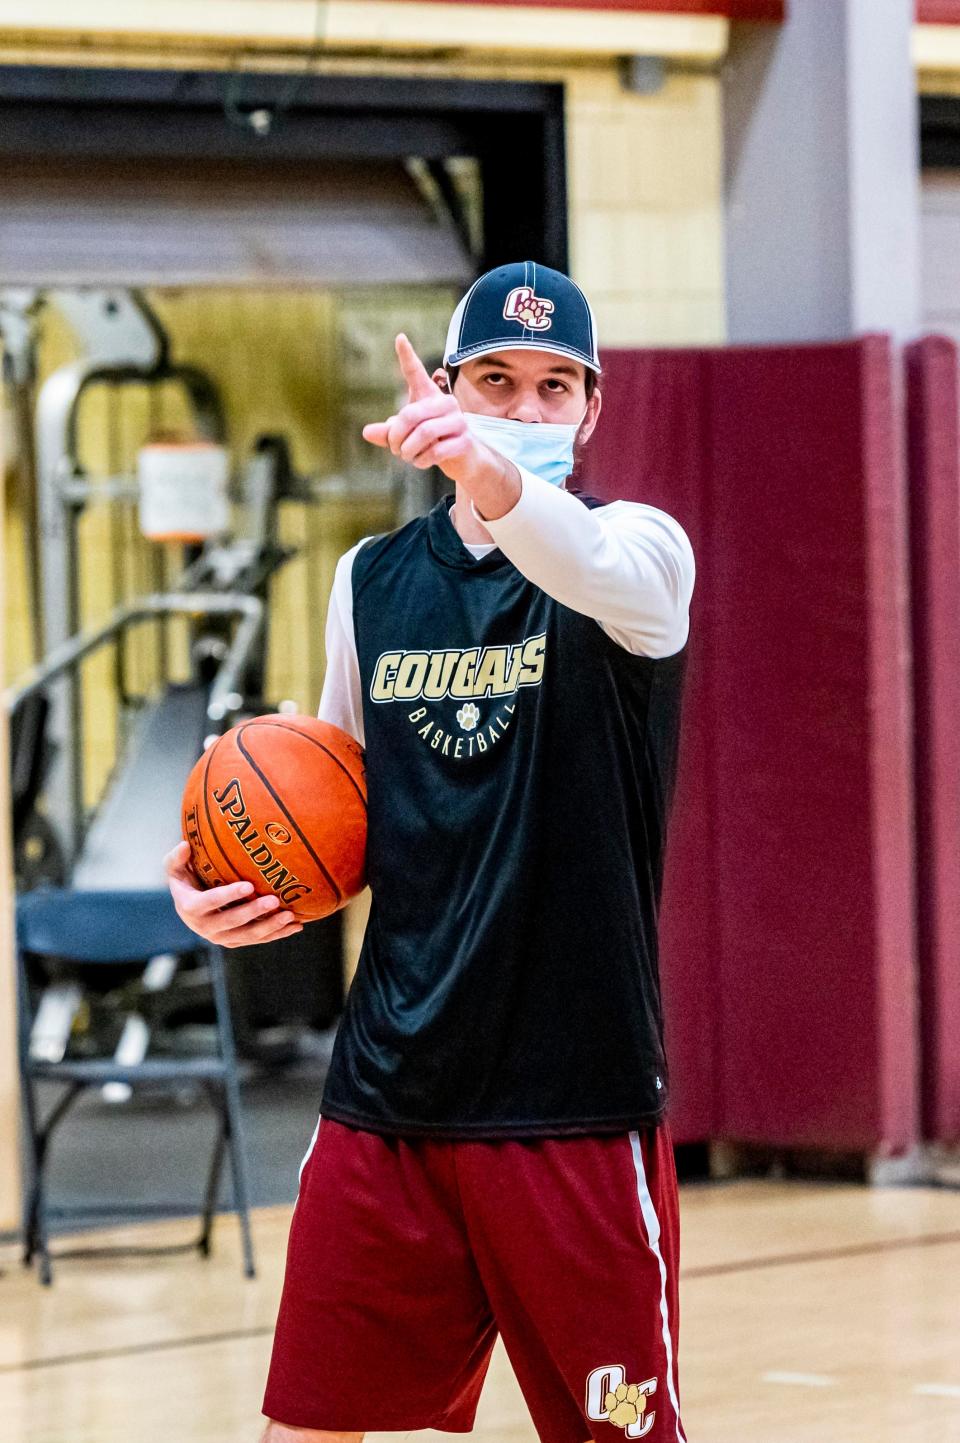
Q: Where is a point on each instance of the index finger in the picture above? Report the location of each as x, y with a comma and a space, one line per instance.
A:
184, 881
198, 900
415, 373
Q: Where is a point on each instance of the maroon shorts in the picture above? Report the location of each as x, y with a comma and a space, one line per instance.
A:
407, 1256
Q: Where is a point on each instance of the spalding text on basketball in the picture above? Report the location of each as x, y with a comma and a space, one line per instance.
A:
229, 799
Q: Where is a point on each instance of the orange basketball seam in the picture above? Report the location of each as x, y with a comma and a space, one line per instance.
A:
316, 743
206, 808
266, 782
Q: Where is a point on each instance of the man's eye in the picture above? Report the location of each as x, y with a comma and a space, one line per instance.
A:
495, 376
559, 384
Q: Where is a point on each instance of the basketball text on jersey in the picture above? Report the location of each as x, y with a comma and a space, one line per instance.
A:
466, 674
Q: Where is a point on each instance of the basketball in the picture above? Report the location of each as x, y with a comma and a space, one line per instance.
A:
281, 801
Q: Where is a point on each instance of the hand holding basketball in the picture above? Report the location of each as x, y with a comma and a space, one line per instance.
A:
430, 429
229, 916
277, 804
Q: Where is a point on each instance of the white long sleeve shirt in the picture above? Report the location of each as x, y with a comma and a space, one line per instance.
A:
628, 565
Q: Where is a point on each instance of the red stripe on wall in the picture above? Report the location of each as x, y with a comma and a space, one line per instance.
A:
938, 12
731, 9
934, 474
929, 12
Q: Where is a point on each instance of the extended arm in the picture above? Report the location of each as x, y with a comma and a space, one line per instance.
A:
628, 565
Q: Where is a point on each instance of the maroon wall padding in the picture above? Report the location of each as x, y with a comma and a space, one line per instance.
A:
650, 446
934, 450
787, 926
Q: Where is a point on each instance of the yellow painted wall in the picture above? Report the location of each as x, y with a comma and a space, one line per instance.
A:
936, 54
645, 177
381, 26
310, 365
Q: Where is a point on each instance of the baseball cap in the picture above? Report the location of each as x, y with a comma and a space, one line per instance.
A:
527, 305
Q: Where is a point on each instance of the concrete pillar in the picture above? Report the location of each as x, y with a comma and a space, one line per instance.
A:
822, 209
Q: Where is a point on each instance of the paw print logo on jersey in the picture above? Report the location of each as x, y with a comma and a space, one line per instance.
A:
530, 310
468, 716
611, 1399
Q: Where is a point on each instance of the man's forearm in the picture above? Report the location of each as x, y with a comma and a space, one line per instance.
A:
627, 565
492, 483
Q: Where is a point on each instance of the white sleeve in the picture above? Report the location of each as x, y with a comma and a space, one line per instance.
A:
628, 565
340, 701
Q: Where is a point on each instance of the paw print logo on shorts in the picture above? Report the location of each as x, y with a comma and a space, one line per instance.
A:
530, 310
611, 1399
625, 1405
468, 716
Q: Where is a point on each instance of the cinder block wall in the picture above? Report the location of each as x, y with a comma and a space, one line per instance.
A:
645, 187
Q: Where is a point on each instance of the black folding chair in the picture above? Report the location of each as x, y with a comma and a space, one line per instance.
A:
75, 932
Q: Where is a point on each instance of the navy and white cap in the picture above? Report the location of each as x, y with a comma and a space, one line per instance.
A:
525, 305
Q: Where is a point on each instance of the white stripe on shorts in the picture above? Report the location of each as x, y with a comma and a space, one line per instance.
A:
652, 1224
306, 1155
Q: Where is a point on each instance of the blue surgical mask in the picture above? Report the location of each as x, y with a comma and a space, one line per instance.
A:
543, 447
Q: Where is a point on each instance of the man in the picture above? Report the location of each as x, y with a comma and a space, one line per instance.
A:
492, 1154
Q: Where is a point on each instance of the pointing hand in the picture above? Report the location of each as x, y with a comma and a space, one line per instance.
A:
430, 429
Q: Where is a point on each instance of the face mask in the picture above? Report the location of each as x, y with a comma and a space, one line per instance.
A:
543, 447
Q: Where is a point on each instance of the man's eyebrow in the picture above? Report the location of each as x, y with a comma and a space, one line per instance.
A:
558, 370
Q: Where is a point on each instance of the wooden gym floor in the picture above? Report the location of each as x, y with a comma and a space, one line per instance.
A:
811, 1314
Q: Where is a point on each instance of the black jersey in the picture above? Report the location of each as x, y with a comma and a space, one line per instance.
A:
520, 765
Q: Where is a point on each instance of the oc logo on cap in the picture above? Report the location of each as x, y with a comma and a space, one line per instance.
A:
530, 310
